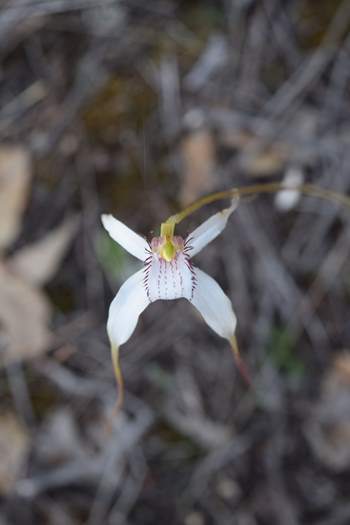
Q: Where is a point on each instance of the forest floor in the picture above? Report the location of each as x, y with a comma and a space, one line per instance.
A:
138, 108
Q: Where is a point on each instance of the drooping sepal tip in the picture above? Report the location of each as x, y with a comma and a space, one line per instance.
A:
119, 378
242, 367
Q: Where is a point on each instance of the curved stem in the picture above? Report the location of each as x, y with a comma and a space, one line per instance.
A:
256, 189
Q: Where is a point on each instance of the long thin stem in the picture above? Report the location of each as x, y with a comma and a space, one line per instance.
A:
256, 189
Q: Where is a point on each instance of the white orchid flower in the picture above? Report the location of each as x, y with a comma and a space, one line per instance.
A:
168, 273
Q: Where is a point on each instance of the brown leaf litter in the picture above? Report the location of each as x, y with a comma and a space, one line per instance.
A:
25, 311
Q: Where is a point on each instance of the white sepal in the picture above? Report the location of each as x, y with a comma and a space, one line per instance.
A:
127, 238
126, 308
209, 230
214, 306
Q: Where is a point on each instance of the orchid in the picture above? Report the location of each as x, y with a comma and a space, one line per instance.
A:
168, 273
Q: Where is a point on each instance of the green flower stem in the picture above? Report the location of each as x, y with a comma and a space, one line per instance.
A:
256, 189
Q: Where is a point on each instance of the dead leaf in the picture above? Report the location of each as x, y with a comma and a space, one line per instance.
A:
37, 263
24, 310
15, 174
259, 161
198, 153
14, 446
236, 139
24, 318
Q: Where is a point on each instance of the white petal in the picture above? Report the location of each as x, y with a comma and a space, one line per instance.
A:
126, 308
214, 305
209, 230
127, 238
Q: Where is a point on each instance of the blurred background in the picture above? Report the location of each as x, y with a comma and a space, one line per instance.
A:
137, 108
